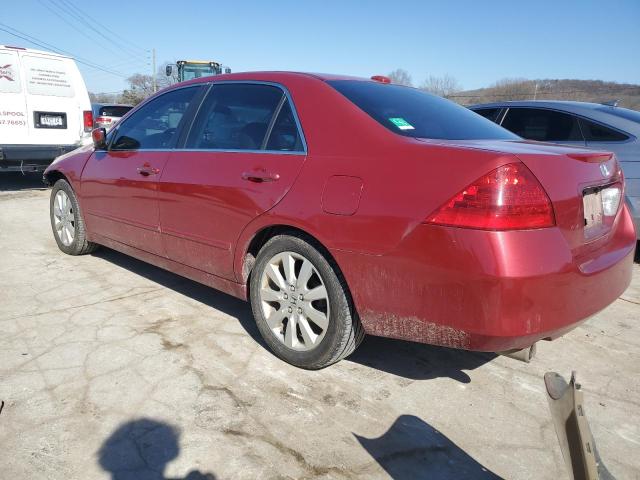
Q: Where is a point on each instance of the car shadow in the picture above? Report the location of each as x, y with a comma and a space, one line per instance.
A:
418, 361
412, 448
141, 449
409, 360
206, 295
15, 181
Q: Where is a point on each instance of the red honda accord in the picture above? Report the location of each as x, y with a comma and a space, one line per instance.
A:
342, 206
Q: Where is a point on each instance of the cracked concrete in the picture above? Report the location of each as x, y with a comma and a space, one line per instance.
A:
110, 368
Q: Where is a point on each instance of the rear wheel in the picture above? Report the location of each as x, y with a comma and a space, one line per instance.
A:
301, 304
66, 220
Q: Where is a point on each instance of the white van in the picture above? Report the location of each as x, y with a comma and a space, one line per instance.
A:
44, 108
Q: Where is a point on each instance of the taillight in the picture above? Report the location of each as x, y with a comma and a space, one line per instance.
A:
88, 120
508, 198
103, 120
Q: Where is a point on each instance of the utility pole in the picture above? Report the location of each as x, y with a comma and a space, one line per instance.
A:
535, 94
153, 70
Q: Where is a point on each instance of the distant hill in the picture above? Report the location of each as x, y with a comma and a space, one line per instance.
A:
580, 90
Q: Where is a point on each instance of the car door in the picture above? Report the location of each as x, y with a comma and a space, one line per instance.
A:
243, 152
544, 125
119, 186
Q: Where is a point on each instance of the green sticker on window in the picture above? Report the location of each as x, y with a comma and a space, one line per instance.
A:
401, 123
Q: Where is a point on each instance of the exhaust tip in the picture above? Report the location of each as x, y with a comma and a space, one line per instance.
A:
524, 355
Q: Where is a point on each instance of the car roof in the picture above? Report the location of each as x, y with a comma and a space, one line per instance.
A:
273, 76
600, 112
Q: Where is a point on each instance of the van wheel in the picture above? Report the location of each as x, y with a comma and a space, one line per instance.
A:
301, 304
67, 222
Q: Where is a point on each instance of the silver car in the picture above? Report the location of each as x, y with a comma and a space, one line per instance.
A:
106, 115
601, 126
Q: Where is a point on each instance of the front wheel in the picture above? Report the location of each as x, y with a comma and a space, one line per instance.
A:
301, 304
66, 220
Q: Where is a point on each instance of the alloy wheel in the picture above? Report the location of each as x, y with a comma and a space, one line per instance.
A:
64, 218
294, 301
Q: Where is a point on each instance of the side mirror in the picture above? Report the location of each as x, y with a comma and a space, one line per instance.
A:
168, 70
99, 137
227, 70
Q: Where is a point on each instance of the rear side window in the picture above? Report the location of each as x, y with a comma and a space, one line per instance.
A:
542, 125
284, 134
9, 73
414, 113
489, 113
235, 117
594, 132
155, 124
113, 111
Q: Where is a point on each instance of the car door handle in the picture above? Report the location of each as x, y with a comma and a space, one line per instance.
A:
260, 177
147, 170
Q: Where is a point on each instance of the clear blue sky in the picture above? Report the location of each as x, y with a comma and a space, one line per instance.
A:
478, 42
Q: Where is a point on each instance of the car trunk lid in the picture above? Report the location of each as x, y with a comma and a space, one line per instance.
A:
578, 182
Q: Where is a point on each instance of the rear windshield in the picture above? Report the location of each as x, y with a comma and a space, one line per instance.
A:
113, 111
414, 113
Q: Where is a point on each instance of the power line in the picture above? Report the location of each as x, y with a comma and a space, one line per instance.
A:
73, 11
73, 26
48, 46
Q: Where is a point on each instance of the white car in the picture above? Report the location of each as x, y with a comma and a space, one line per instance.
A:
44, 108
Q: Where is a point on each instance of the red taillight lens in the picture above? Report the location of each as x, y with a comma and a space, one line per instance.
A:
103, 120
88, 120
508, 198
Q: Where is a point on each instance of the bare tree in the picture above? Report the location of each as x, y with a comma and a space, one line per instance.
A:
140, 87
443, 86
103, 97
400, 77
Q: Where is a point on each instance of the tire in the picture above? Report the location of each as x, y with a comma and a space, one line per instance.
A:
67, 223
277, 306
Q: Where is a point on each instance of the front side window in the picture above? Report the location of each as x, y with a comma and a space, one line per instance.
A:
235, 117
594, 132
154, 125
542, 125
413, 113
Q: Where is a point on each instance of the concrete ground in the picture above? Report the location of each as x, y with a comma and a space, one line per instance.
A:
110, 368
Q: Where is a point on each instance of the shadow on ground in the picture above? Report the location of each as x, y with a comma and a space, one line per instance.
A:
15, 181
417, 361
141, 449
208, 296
412, 448
414, 361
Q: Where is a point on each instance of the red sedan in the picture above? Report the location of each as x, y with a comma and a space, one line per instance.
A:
341, 206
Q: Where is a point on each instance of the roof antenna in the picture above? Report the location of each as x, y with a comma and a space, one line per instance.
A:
611, 103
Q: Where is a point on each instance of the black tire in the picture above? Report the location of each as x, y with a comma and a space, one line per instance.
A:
80, 245
344, 332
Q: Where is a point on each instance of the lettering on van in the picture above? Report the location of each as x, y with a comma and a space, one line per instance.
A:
11, 118
6, 73
49, 78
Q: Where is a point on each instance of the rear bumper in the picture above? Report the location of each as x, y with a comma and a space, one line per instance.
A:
30, 157
487, 291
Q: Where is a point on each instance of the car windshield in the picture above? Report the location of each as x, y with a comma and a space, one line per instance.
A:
191, 71
414, 113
